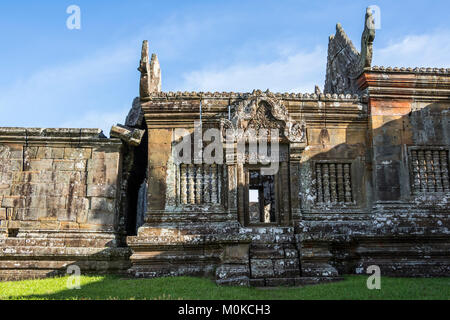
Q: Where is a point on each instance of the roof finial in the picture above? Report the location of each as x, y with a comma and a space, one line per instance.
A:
150, 73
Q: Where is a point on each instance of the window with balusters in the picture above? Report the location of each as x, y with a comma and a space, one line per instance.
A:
429, 170
200, 184
333, 183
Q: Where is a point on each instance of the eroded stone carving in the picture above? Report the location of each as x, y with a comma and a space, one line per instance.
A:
264, 111
131, 136
344, 63
150, 73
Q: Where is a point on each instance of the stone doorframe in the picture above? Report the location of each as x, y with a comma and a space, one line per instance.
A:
262, 110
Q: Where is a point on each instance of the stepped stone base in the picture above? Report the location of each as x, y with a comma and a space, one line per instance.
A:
215, 250
39, 255
297, 281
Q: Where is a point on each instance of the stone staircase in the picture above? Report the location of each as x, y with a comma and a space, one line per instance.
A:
214, 249
274, 257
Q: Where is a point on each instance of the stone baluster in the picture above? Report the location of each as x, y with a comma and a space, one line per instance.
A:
422, 170
319, 182
183, 184
225, 185
191, 183
415, 169
430, 171
198, 184
437, 171
444, 170
347, 183
326, 183
206, 183
219, 183
333, 191
340, 182
213, 184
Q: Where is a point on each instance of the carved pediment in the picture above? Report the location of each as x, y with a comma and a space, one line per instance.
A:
344, 63
265, 112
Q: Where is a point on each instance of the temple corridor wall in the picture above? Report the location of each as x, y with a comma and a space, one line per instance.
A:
58, 185
59, 202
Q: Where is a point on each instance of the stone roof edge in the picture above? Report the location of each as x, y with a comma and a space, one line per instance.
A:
49, 132
409, 70
244, 95
55, 134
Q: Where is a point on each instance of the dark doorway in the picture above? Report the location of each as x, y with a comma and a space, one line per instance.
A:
137, 178
261, 197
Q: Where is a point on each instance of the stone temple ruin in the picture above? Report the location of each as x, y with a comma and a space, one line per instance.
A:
362, 179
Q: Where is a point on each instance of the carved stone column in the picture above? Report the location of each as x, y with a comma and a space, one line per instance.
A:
437, 171
206, 184
422, 170
347, 183
295, 154
183, 184
444, 171
333, 192
199, 184
191, 183
285, 194
430, 173
416, 169
326, 183
340, 182
319, 195
214, 183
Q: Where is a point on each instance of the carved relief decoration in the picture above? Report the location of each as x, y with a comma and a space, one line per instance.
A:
264, 112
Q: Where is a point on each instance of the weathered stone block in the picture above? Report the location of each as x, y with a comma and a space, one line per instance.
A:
236, 253
2, 214
159, 156
63, 165
261, 268
80, 165
30, 214
291, 253
103, 204
286, 268
108, 177
6, 177
232, 274
57, 153
110, 162
40, 165
67, 225
77, 153
10, 151
99, 217
107, 191
44, 153
13, 202
11, 165
49, 225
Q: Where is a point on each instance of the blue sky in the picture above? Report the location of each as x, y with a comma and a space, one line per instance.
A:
51, 76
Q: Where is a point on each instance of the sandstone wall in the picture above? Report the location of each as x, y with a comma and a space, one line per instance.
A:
59, 202
58, 180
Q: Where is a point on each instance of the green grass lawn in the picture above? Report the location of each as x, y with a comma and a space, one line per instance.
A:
114, 287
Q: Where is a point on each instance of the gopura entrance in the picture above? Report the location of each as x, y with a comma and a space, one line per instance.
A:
231, 220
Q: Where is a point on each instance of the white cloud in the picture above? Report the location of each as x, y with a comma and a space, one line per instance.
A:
297, 72
426, 50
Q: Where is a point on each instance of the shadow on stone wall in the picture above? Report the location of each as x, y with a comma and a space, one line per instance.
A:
403, 231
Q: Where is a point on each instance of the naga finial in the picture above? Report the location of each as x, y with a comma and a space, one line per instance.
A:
367, 39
